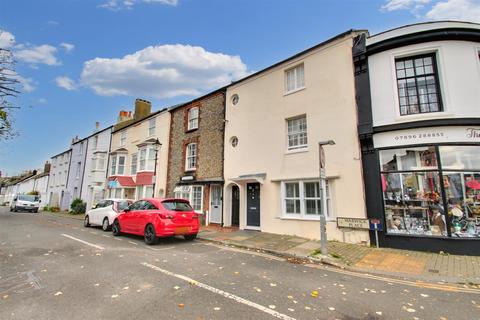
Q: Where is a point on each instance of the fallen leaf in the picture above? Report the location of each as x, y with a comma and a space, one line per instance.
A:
181, 305
308, 308
58, 293
331, 308
291, 309
98, 254
126, 288
5, 296
411, 310
273, 284
314, 294
379, 313
114, 296
44, 270
176, 287
216, 308
272, 306
97, 284
290, 297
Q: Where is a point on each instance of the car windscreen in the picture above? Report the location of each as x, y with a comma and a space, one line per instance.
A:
122, 205
177, 205
24, 197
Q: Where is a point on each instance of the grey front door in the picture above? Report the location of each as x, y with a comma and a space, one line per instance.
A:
215, 203
253, 204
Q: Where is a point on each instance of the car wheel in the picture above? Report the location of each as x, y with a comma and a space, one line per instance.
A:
11, 209
190, 237
150, 235
86, 222
105, 224
35, 210
116, 228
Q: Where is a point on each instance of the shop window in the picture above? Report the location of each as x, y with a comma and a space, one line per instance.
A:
462, 188
417, 81
193, 118
295, 78
194, 195
411, 192
297, 133
303, 199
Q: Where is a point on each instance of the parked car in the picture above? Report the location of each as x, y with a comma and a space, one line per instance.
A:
157, 218
105, 212
25, 202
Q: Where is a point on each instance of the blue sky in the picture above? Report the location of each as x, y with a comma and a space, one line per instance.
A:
81, 61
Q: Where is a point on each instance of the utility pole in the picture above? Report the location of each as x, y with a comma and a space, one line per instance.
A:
323, 220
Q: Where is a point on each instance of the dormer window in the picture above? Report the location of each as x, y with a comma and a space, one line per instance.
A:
193, 118
417, 81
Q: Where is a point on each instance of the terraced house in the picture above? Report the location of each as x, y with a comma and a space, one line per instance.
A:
57, 184
139, 153
275, 120
195, 161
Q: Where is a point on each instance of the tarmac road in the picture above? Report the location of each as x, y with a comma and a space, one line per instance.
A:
54, 268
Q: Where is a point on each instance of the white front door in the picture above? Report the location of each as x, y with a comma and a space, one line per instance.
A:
215, 203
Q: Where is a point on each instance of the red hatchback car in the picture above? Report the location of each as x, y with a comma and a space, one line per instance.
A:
157, 218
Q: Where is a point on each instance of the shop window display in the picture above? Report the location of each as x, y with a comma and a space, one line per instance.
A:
411, 194
412, 181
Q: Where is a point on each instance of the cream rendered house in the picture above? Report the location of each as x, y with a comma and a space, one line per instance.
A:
131, 165
275, 120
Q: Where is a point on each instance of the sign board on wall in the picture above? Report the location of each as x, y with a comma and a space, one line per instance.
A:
432, 135
353, 223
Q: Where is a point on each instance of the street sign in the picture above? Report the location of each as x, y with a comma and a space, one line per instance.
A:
378, 224
353, 223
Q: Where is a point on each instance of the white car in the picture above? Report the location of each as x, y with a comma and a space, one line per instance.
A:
25, 202
105, 212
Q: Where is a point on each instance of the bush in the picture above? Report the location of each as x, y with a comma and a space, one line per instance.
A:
33, 193
54, 209
78, 206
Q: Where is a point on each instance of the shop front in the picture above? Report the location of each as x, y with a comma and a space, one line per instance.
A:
429, 188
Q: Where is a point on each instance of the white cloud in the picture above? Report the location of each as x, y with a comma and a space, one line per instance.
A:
53, 23
27, 84
162, 72
43, 54
116, 5
66, 83
393, 5
466, 10
7, 40
41, 100
67, 46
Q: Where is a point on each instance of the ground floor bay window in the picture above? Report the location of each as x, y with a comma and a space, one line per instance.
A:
432, 190
192, 193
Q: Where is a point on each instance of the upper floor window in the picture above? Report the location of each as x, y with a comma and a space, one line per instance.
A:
297, 133
133, 165
123, 138
147, 159
98, 161
294, 78
417, 81
151, 127
79, 169
193, 118
191, 157
95, 142
118, 165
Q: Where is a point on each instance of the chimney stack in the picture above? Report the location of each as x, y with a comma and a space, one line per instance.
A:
46, 168
124, 116
97, 126
143, 108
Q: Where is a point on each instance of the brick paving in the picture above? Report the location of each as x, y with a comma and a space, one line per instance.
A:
382, 261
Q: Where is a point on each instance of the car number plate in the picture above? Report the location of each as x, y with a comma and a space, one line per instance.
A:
181, 230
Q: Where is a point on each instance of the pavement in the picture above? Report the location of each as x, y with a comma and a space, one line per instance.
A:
54, 268
413, 265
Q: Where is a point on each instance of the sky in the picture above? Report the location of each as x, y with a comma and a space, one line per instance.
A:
82, 61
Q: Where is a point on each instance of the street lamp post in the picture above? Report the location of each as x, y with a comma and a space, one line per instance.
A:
323, 220
157, 146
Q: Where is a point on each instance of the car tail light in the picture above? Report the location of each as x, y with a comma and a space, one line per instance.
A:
165, 216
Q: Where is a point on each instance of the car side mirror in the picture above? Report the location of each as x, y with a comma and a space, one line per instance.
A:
39, 201
127, 209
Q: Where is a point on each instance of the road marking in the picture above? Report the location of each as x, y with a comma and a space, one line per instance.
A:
235, 298
417, 284
93, 232
106, 236
133, 243
83, 241
245, 251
